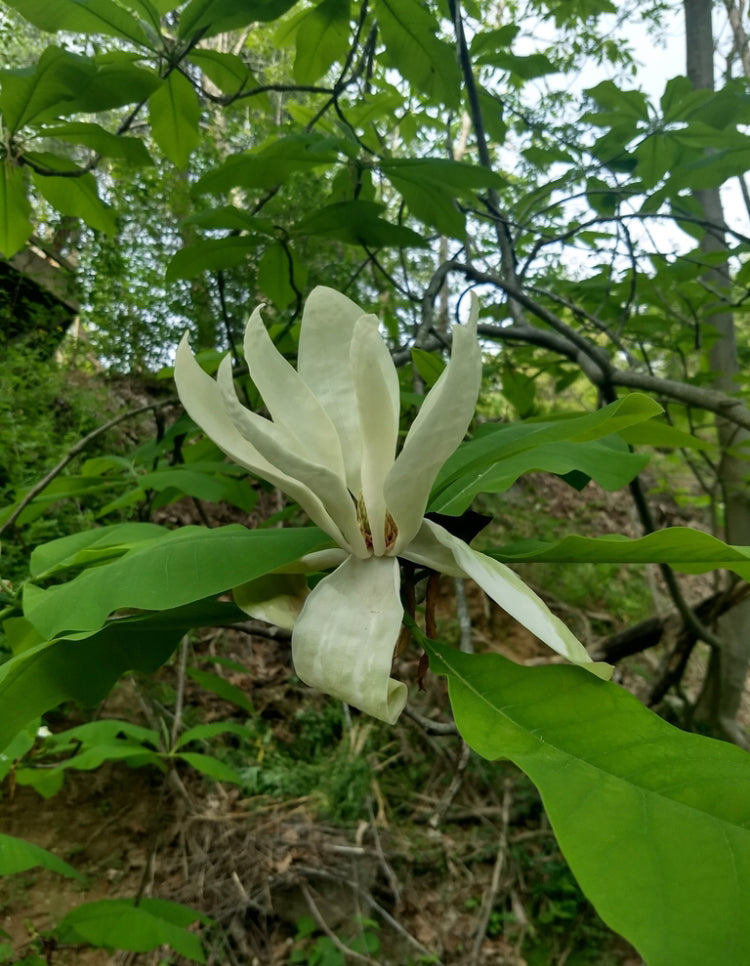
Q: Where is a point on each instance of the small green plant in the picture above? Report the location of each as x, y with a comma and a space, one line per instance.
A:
313, 948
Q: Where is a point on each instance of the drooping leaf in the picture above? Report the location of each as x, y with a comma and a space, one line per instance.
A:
228, 71
15, 210
18, 856
185, 565
209, 255
78, 196
322, 38
281, 276
102, 141
210, 766
653, 821
121, 924
33, 93
174, 111
410, 34
221, 687
358, 223
84, 667
81, 16
206, 18
683, 548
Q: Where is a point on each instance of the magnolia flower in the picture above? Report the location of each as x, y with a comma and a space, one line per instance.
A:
330, 444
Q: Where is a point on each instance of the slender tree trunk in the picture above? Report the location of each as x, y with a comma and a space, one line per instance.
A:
729, 668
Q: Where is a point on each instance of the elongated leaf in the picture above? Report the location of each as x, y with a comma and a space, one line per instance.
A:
358, 223
210, 17
228, 71
97, 138
81, 16
79, 197
654, 822
90, 546
174, 112
209, 255
32, 93
322, 38
277, 269
222, 688
18, 856
212, 730
208, 765
687, 550
410, 35
84, 667
15, 224
121, 924
186, 565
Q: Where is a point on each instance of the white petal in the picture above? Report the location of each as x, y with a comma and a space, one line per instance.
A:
505, 588
377, 389
344, 639
325, 340
205, 404
289, 399
275, 598
282, 451
436, 432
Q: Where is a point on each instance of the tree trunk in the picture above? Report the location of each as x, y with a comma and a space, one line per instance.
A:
728, 670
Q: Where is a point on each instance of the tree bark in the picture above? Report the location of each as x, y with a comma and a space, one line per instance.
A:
729, 667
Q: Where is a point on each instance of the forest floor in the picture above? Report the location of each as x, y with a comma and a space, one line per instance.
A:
396, 843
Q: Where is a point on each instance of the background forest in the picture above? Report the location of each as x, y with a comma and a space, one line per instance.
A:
167, 166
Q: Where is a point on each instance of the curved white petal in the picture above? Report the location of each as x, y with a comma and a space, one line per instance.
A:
344, 639
507, 589
377, 391
275, 598
436, 432
282, 451
325, 340
205, 404
289, 399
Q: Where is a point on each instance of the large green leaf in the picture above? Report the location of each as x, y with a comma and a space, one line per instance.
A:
97, 138
210, 255
277, 269
410, 32
18, 856
687, 550
30, 93
273, 162
123, 924
81, 16
228, 71
654, 822
207, 18
79, 197
358, 223
322, 38
174, 111
482, 458
15, 224
90, 547
186, 565
84, 667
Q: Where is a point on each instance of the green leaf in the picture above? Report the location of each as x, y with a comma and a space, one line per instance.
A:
322, 38
228, 71
628, 104
84, 667
81, 16
121, 924
214, 487
30, 93
208, 765
102, 141
429, 366
208, 256
653, 821
15, 224
410, 34
689, 551
222, 688
174, 112
273, 162
210, 17
358, 223
276, 269
204, 731
90, 547
185, 565
78, 196
18, 856
526, 67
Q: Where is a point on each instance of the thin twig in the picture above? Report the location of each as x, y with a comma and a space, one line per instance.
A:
490, 895
323, 925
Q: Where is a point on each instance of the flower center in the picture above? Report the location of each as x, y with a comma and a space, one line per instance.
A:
390, 530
